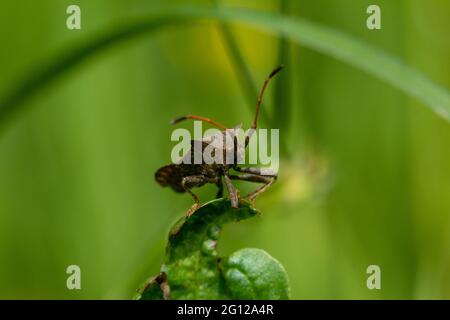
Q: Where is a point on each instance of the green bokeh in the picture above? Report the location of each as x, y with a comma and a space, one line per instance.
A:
367, 179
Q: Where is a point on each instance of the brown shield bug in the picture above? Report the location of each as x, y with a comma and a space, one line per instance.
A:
182, 176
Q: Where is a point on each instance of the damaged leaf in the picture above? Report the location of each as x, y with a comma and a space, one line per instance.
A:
193, 270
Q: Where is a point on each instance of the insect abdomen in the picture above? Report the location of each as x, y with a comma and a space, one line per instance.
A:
170, 176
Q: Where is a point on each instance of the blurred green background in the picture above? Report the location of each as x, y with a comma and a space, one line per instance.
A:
364, 174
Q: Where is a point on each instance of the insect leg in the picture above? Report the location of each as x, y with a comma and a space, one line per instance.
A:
231, 191
267, 180
192, 181
257, 171
220, 186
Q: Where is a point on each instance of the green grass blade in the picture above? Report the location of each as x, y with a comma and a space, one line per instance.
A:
243, 73
283, 90
308, 34
47, 72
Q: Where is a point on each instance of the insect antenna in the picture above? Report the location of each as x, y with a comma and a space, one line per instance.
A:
192, 117
261, 93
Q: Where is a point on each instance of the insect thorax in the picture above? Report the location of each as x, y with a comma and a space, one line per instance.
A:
223, 149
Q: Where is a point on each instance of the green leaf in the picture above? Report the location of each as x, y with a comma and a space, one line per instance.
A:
190, 234
151, 290
192, 269
253, 274
192, 265
308, 34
